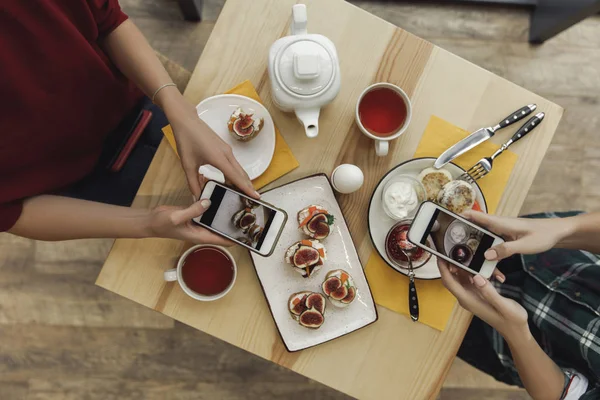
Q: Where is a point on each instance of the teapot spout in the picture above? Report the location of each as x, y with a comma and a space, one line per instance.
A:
309, 117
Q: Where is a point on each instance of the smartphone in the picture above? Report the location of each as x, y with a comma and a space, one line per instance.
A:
251, 223
456, 240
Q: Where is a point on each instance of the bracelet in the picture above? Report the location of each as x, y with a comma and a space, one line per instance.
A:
161, 88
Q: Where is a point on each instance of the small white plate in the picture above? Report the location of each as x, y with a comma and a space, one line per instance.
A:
254, 156
380, 223
279, 280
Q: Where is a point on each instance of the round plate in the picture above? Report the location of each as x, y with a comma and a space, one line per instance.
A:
380, 223
254, 156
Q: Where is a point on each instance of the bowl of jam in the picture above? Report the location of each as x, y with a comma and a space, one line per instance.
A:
397, 240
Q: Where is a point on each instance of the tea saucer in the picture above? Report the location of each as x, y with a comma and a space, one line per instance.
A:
380, 223
255, 155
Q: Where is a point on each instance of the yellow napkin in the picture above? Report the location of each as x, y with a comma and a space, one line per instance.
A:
390, 289
283, 159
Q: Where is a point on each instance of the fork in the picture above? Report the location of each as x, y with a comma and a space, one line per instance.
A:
484, 166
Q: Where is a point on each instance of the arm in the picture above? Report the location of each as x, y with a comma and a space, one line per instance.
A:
55, 218
542, 378
582, 232
197, 144
531, 236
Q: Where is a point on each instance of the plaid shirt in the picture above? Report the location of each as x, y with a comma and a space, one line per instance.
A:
560, 289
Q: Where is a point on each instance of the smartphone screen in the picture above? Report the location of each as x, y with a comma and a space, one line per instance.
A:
225, 210
457, 240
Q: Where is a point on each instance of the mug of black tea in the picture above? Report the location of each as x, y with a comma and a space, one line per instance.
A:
383, 112
204, 272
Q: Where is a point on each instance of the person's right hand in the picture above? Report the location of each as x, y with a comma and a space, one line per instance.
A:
176, 223
477, 295
522, 235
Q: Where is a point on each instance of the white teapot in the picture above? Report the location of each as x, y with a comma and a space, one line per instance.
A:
304, 70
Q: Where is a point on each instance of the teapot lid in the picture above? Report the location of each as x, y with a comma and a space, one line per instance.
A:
305, 67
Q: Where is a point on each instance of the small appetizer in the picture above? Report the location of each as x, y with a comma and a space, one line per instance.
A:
339, 287
245, 240
457, 196
434, 180
244, 219
249, 203
306, 257
315, 222
255, 232
244, 127
308, 309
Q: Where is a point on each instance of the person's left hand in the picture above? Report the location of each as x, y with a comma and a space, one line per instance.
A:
198, 144
477, 295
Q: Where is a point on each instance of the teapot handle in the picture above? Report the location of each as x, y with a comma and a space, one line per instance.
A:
299, 19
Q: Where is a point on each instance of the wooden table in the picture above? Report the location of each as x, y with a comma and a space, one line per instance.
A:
393, 358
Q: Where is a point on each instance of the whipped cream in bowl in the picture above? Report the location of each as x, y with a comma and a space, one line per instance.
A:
402, 196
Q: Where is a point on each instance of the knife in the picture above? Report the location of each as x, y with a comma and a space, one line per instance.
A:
481, 135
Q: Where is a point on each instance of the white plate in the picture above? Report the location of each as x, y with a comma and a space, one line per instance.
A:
279, 280
380, 223
254, 156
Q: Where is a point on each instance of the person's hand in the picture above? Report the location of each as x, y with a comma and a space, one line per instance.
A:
198, 144
522, 235
477, 295
176, 223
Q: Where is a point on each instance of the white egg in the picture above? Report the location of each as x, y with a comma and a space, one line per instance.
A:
347, 178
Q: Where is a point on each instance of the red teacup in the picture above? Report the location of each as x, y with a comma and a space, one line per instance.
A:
383, 112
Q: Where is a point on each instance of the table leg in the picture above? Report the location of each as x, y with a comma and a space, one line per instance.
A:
191, 9
554, 16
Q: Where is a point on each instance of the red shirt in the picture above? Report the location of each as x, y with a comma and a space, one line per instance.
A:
60, 95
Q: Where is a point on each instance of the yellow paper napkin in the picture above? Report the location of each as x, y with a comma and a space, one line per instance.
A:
283, 159
390, 289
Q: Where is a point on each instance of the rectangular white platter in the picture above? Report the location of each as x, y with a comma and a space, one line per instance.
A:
279, 280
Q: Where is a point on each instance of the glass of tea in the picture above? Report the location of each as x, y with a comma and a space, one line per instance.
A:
383, 112
204, 272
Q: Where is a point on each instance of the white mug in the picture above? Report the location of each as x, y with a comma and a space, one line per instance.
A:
174, 274
382, 143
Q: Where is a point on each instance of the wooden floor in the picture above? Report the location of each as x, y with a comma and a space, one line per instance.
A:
63, 338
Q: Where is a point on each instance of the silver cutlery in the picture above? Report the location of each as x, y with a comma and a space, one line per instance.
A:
481, 135
484, 166
413, 300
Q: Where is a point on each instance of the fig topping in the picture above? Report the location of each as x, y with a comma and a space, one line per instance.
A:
306, 256
247, 221
316, 301
350, 297
246, 120
331, 285
322, 231
340, 293
312, 319
300, 306
314, 221
255, 232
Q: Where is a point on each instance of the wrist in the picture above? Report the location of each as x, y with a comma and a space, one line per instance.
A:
517, 336
567, 229
174, 105
145, 225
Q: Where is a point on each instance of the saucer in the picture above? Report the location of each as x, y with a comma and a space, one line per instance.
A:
380, 223
255, 155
